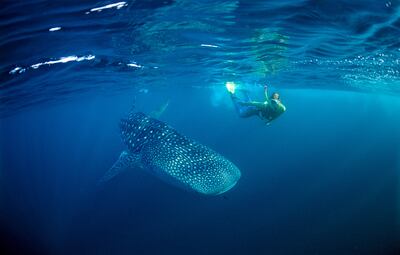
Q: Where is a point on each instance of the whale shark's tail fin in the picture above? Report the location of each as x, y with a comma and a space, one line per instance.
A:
125, 161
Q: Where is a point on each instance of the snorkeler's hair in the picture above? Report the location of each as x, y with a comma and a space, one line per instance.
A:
272, 95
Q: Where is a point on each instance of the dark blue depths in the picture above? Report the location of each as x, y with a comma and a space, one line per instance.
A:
323, 179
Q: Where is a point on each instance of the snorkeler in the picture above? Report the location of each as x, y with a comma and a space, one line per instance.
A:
268, 110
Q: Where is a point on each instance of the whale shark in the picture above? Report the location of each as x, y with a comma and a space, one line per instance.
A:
174, 158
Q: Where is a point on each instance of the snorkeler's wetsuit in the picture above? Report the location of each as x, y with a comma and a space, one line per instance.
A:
268, 111
272, 109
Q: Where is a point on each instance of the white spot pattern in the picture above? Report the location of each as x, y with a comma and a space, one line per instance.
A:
176, 158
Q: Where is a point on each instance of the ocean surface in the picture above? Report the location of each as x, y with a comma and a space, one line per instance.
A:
323, 178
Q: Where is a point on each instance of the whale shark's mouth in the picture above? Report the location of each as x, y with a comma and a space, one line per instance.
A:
226, 189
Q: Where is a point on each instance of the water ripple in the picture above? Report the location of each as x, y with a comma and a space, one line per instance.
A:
347, 45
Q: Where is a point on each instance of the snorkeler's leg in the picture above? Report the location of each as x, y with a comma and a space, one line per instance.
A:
246, 96
243, 111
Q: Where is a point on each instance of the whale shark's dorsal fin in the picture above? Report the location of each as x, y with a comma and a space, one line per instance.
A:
125, 161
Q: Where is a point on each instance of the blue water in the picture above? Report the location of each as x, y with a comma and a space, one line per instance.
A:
324, 178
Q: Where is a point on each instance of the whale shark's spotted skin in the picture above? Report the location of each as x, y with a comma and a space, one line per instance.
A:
174, 158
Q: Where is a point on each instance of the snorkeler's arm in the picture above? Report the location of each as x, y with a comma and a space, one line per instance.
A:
266, 93
266, 120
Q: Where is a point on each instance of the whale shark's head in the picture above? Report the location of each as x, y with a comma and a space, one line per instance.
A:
217, 175
191, 165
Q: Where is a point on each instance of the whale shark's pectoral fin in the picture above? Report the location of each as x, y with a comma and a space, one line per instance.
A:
157, 113
125, 161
